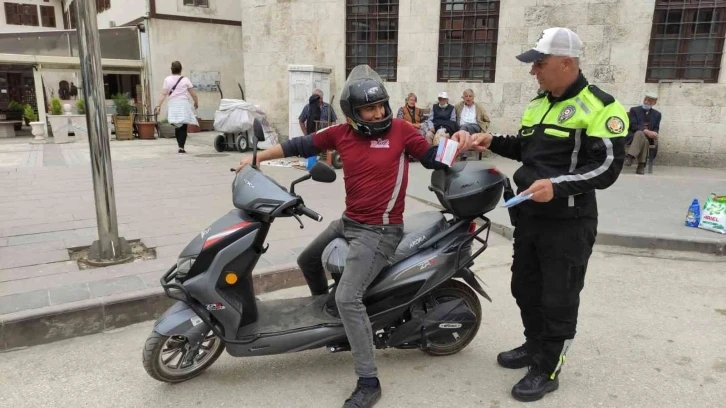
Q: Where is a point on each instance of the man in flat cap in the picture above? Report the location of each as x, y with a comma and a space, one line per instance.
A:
643, 131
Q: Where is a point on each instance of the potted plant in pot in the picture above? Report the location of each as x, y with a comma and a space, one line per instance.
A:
123, 120
59, 123
15, 112
146, 125
78, 121
37, 128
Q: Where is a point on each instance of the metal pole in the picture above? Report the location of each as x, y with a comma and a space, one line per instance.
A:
109, 248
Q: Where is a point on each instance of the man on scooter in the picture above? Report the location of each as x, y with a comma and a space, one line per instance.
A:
374, 149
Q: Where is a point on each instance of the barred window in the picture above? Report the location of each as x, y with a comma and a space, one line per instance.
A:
21, 14
687, 40
13, 14
47, 16
371, 36
468, 40
30, 15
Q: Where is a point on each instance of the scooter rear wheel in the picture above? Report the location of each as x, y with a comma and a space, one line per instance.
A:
164, 356
454, 290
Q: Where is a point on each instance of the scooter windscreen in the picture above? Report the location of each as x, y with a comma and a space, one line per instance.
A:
254, 192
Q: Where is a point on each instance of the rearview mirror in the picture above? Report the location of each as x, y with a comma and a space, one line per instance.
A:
259, 130
323, 172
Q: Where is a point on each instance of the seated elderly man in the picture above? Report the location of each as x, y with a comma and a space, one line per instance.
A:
442, 116
316, 111
643, 131
470, 115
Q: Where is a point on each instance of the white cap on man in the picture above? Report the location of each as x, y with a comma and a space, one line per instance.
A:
443, 95
554, 41
651, 95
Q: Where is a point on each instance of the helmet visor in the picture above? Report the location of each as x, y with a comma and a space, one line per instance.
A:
358, 73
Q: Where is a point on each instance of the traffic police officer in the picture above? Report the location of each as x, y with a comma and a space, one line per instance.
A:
571, 143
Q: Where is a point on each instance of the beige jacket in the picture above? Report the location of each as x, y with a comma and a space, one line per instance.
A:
481, 115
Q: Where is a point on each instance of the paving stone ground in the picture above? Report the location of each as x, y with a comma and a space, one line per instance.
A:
163, 199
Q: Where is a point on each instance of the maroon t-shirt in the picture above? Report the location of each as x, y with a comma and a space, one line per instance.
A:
376, 170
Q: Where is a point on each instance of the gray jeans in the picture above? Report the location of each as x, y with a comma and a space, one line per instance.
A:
470, 127
371, 249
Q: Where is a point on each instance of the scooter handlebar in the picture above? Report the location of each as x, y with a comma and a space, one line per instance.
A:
302, 210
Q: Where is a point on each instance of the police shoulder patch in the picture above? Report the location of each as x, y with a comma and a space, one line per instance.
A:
566, 113
603, 96
615, 124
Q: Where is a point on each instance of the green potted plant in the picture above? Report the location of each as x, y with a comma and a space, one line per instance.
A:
15, 113
37, 128
123, 119
59, 123
78, 121
146, 125
81, 106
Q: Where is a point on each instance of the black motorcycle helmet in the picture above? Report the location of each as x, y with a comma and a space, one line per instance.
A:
363, 88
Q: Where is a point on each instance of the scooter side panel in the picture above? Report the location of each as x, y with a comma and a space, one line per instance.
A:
420, 267
289, 342
231, 218
203, 287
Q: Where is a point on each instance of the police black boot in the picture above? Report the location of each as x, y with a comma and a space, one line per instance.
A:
517, 358
366, 394
534, 385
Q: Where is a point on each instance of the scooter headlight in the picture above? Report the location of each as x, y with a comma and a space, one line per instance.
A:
183, 265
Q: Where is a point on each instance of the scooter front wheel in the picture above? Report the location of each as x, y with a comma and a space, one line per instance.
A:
167, 359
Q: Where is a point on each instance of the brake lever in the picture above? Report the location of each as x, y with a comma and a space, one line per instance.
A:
297, 217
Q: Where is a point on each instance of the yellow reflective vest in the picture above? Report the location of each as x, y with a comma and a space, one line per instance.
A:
576, 141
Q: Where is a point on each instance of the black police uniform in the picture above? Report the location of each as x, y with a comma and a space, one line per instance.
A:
576, 141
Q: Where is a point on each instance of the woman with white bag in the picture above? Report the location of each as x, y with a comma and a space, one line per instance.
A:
180, 91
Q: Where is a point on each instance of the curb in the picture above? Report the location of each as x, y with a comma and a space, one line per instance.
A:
50, 324
642, 241
635, 241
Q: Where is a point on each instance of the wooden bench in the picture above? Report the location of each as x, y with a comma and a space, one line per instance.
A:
7, 127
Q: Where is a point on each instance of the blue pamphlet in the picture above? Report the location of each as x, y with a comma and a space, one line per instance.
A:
516, 200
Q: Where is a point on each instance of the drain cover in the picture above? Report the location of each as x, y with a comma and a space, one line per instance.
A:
212, 155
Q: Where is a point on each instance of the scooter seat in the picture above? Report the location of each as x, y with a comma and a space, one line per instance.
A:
417, 229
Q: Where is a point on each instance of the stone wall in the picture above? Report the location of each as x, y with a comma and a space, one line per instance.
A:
277, 33
199, 47
616, 34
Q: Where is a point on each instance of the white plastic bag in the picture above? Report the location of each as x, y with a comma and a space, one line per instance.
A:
713, 216
236, 115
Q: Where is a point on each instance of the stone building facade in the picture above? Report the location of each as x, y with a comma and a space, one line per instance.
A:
616, 36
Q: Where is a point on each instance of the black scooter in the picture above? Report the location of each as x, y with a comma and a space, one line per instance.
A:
424, 300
